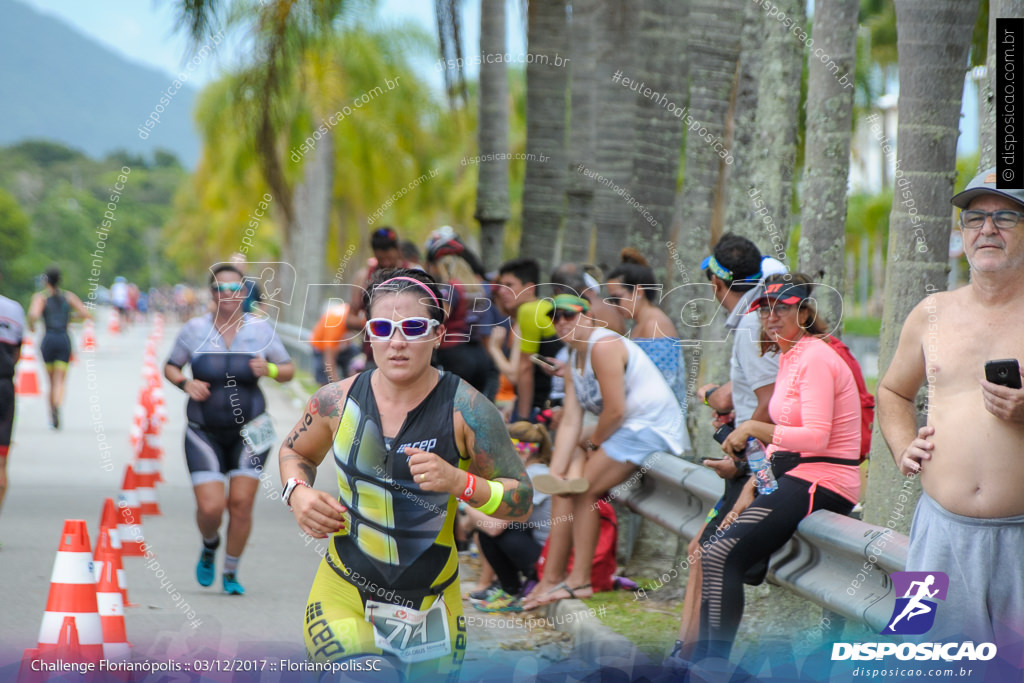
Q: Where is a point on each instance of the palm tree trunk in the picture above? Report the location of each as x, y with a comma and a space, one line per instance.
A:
778, 106
546, 91
615, 133
306, 240
713, 47
492, 134
933, 39
659, 129
739, 209
986, 90
574, 244
827, 155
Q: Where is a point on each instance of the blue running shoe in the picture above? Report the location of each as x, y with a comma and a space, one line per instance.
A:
204, 570
231, 585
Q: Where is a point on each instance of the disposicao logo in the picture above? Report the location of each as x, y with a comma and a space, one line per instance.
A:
913, 615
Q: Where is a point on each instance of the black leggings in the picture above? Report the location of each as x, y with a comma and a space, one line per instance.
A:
513, 551
759, 531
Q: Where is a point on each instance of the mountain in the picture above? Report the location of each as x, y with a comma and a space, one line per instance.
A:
60, 85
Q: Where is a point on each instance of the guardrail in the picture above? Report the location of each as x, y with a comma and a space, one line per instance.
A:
296, 340
834, 561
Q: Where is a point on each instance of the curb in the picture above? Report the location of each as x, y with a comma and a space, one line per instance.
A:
595, 643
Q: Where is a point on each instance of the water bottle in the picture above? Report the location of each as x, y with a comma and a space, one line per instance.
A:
760, 468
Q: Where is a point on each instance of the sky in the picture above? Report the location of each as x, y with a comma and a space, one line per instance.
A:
143, 31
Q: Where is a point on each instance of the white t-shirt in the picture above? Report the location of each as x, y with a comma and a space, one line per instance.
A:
748, 369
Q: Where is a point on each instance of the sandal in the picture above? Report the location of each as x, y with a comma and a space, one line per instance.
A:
563, 587
552, 485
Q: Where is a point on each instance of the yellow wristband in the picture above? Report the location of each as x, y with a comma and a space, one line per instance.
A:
494, 502
271, 370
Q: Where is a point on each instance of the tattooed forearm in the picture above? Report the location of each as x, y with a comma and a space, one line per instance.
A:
492, 451
307, 468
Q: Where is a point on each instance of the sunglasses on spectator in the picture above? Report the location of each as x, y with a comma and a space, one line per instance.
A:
778, 309
226, 286
1004, 219
412, 328
559, 315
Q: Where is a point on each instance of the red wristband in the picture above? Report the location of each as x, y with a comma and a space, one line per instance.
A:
470, 488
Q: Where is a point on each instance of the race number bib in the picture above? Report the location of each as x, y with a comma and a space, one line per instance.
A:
409, 634
258, 433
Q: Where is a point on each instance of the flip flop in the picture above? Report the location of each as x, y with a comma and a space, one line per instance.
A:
562, 586
552, 485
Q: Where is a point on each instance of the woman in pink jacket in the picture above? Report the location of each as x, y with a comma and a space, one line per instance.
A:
816, 409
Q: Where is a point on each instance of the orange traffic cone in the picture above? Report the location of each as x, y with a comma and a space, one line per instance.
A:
26, 672
130, 525
108, 549
26, 381
147, 473
71, 629
114, 326
88, 336
111, 611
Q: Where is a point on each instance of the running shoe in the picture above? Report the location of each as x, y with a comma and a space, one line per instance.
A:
484, 594
204, 570
54, 417
500, 602
231, 585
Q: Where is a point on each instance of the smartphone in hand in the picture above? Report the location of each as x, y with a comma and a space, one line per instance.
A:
1005, 372
540, 360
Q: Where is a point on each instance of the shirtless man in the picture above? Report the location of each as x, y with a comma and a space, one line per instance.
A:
969, 521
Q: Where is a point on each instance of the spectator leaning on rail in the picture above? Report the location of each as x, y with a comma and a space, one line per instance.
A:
969, 521
734, 270
609, 376
816, 410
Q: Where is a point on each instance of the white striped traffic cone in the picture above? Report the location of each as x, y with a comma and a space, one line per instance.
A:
71, 629
111, 610
130, 525
109, 550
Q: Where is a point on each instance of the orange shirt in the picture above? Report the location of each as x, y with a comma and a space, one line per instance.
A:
330, 329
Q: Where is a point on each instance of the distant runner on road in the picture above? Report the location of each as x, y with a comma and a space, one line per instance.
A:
54, 306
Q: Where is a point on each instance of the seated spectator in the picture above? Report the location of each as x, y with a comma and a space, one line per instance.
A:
517, 292
572, 278
610, 377
470, 318
817, 413
633, 289
512, 548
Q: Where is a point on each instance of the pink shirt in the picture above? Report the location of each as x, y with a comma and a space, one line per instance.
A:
816, 410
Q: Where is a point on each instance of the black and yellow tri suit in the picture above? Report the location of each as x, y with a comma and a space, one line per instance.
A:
399, 544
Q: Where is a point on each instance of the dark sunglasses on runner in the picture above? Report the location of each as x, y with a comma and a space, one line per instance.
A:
412, 328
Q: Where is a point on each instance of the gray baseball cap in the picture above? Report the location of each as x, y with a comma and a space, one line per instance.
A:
985, 183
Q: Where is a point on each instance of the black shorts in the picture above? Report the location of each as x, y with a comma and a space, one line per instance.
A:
6, 413
216, 454
56, 347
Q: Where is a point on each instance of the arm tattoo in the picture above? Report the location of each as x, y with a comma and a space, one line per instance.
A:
326, 402
303, 464
492, 449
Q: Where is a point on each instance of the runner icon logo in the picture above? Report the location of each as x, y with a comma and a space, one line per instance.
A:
914, 612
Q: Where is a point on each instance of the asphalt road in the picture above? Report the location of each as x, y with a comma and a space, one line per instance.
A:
66, 474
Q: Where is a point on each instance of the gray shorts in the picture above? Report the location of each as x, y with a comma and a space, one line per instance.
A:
983, 558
